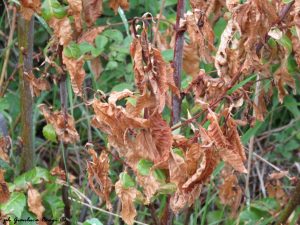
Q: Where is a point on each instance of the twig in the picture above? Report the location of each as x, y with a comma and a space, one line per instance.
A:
261, 180
162, 6
9, 43
251, 144
268, 163
290, 207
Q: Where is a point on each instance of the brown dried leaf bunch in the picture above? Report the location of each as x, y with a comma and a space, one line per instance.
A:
138, 132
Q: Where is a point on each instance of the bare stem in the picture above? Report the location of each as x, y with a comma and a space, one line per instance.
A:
177, 62
25, 42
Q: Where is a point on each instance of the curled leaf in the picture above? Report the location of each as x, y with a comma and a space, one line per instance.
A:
35, 202
4, 192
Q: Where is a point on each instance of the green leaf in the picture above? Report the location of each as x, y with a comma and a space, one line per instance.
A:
286, 1
52, 8
25, 215
286, 43
15, 204
101, 41
178, 151
72, 51
92, 221
292, 105
122, 86
241, 84
251, 132
168, 55
35, 176
114, 35
144, 166
160, 175
49, 133
124, 20
85, 47
111, 65
126, 180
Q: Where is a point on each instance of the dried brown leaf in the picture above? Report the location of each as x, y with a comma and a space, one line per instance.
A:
77, 73
149, 184
64, 127
75, 9
29, 7
5, 144
35, 202
127, 197
282, 78
90, 35
115, 4
96, 67
62, 29
223, 146
98, 178
92, 9
278, 175
162, 136
230, 193
37, 84
4, 191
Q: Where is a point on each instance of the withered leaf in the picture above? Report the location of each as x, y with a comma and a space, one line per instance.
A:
231, 193
64, 127
4, 191
62, 29
77, 73
90, 35
282, 78
127, 197
162, 136
29, 7
223, 146
35, 202
37, 84
5, 144
149, 184
92, 9
99, 181
75, 8
115, 4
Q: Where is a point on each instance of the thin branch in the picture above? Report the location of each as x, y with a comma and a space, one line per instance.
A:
162, 6
9, 44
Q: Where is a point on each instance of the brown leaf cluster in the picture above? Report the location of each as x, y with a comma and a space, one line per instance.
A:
99, 181
64, 125
201, 34
151, 72
92, 9
252, 20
